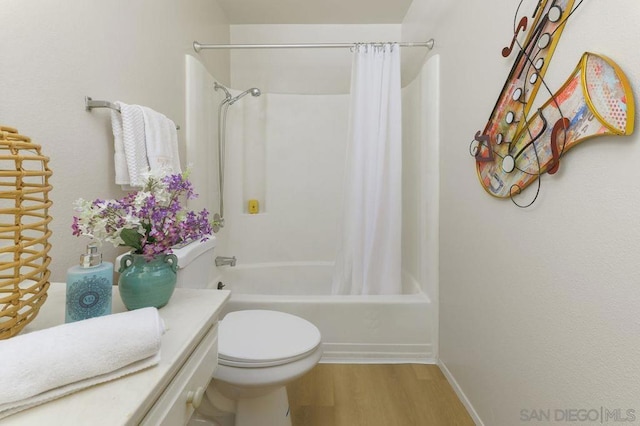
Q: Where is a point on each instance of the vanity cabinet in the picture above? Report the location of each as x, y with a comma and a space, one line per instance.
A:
161, 395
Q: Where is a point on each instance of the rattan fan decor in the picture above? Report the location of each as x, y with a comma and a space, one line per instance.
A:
24, 231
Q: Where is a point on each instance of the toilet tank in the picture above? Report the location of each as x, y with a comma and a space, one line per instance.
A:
195, 264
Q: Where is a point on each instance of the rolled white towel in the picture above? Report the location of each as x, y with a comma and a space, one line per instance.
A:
47, 364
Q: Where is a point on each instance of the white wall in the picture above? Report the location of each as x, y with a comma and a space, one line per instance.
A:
57, 52
539, 307
419, 24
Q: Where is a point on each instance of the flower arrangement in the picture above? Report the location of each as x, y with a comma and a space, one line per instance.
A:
151, 220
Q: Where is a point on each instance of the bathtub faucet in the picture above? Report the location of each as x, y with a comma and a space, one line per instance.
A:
223, 261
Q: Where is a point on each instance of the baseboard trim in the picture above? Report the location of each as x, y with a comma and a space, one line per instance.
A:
365, 353
461, 395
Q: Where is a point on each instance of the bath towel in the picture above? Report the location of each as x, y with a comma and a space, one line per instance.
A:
43, 365
119, 157
129, 142
161, 141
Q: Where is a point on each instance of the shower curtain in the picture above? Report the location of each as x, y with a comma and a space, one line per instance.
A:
369, 251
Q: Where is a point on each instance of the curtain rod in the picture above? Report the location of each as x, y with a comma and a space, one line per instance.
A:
199, 46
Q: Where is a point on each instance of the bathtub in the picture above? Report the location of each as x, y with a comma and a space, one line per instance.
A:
375, 329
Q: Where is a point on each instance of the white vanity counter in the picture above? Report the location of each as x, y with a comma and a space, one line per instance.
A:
157, 395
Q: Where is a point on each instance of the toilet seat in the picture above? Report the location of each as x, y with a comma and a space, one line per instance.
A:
262, 338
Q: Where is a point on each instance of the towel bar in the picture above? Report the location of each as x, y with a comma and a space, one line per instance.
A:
89, 104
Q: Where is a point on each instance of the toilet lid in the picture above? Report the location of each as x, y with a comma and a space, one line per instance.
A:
261, 338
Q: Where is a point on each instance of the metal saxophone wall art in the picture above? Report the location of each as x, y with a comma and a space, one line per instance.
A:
515, 149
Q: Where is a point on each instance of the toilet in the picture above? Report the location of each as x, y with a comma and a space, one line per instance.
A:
259, 353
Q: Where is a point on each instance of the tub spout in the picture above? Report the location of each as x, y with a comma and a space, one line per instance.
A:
224, 261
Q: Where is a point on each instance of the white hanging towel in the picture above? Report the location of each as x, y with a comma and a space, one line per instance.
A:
129, 142
119, 157
161, 140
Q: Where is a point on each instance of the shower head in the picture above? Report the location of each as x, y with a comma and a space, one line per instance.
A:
254, 92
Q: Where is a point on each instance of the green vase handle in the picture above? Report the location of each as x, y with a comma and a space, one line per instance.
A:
172, 260
123, 262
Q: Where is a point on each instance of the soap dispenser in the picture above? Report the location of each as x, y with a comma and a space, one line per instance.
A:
89, 286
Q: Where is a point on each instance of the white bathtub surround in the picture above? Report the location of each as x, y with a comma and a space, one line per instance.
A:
355, 329
420, 184
254, 160
369, 253
201, 128
287, 252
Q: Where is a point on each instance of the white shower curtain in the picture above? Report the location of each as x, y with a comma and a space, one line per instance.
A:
369, 254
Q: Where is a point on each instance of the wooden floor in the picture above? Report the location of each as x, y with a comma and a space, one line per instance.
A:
375, 395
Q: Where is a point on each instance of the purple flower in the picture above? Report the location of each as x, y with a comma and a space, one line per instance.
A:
150, 221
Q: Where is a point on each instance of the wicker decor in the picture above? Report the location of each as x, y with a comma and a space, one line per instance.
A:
24, 231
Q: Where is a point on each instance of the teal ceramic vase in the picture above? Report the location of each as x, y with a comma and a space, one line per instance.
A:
144, 283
